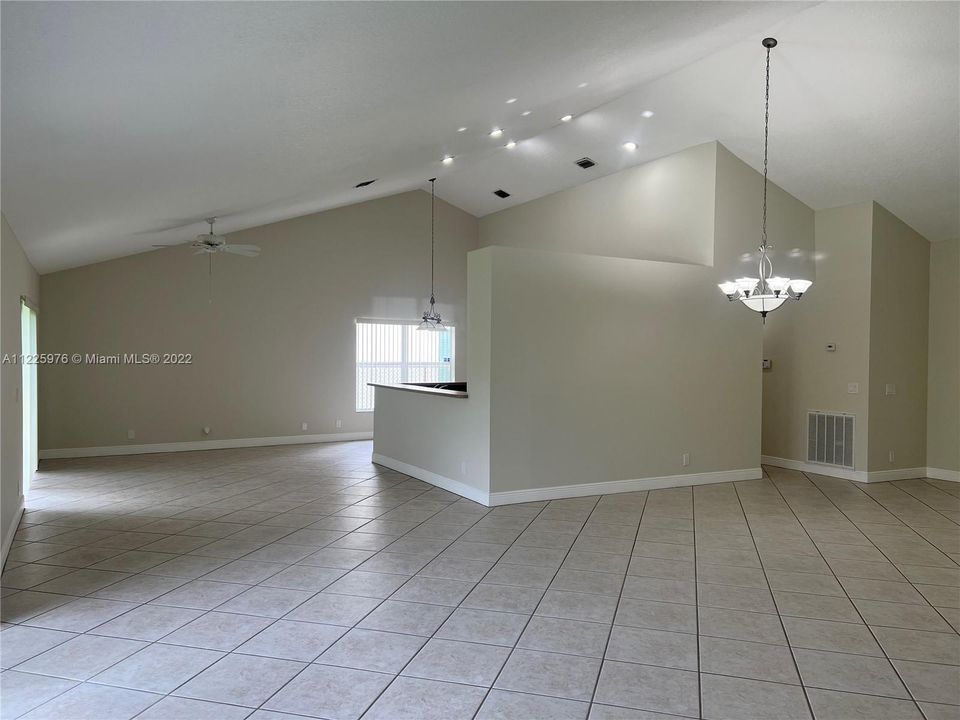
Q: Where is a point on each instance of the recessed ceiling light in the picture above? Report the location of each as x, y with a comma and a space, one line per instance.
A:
511, 101
582, 85
526, 112
496, 132
510, 145
447, 159
631, 146
647, 113
566, 118
461, 129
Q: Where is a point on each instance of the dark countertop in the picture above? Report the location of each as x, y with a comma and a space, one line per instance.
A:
448, 389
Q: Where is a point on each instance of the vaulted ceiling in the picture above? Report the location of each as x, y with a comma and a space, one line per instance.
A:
125, 124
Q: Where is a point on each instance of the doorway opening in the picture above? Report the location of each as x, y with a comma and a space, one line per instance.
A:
28, 350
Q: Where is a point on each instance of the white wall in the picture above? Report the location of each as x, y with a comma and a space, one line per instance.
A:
17, 278
943, 385
273, 338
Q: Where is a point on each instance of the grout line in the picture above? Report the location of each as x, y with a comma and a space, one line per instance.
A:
546, 589
616, 609
846, 594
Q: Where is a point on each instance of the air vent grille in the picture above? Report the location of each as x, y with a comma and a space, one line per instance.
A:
501, 193
365, 183
830, 438
586, 163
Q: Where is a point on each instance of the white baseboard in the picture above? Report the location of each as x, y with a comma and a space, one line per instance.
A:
200, 445
856, 475
941, 474
557, 492
454, 486
900, 474
828, 470
11, 531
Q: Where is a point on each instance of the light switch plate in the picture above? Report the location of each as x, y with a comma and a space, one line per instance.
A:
853, 388
890, 389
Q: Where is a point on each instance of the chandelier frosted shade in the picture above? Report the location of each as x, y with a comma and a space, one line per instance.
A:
767, 292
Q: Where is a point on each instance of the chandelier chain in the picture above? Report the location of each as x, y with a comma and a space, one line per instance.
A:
766, 139
433, 195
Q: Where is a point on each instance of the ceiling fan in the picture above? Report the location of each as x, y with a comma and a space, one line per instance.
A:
211, 243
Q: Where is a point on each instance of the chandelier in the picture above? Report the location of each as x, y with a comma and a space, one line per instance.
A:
431, 318
767, 292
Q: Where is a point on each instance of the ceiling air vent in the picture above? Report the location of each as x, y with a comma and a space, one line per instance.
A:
365, 183
501, 193
586, 163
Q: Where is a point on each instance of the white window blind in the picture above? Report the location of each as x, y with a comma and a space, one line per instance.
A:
394, 351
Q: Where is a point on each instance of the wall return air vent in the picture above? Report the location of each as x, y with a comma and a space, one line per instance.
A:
830, 438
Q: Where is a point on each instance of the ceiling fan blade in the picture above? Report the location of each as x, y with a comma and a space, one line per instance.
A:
245, 250
158, 246
201, 252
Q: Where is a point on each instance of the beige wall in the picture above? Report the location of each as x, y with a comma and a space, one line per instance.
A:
17, 278
661, 210
273, 338
871, 299
607, 369
943, 380
899, 311
836, 310
626, 365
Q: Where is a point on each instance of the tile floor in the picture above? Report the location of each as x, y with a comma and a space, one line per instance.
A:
301, 581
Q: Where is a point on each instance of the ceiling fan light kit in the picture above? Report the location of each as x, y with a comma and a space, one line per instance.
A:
767, 292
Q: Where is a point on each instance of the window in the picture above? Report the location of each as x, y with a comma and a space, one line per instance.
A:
394, 351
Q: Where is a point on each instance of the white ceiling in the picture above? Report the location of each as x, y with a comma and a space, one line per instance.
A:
120, 119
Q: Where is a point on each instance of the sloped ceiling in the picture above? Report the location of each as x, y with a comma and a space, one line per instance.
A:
123, 120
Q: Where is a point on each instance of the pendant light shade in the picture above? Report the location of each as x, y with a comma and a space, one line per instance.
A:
768, 292
431, 318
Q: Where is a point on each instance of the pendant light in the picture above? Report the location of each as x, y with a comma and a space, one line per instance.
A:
431, 318
768, 292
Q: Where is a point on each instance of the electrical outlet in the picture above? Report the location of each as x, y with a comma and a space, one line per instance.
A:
131, 434
339, 423
463, 468
206, 429
685, 459
892, 456
303, 426
853, 388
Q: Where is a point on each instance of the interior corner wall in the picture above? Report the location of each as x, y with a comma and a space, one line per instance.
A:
899, 315
17, 278
273, 339
943, 361
804, 376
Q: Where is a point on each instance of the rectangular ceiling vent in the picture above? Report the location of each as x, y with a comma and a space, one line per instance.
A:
501, 193
830, 438
586, 163
365, 183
